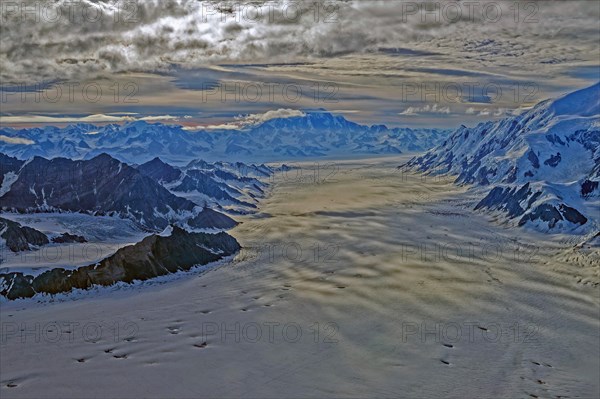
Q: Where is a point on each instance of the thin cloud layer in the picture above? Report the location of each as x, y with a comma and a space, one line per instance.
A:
244, 121
426, 109
15, 140
96, 118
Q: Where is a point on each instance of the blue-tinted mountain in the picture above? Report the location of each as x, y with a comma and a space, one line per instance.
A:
229, 187
315, 134
101, 186
540, 168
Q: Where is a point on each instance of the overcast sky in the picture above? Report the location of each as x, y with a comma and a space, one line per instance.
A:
204, 64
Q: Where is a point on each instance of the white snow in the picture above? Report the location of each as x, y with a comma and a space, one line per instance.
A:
105, 235
550, 129
375, 314
167, 231
9, 179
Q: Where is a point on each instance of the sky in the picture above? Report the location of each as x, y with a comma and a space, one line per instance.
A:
226, 64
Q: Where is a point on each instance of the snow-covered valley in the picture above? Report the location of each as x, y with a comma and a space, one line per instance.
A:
373, 267
478, 260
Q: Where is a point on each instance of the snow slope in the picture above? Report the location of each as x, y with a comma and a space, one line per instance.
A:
541, 168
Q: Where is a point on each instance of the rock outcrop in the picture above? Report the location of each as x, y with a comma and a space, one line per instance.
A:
154, 256
66, 238
20, 238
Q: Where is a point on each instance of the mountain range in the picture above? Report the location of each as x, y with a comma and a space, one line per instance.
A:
104, 186
99, 186
234, 188
314, 134
540, 168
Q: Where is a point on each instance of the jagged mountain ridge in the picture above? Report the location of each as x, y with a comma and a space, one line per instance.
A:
230, 187
543, 166
315, 134
101, 186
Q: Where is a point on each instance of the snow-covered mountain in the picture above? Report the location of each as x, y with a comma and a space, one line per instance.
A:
314, 134
540, 168
99, 186
230, 187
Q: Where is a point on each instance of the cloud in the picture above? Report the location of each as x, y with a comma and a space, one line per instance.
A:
223, 126
255, 119
96, 118
15, 140
427, 109
487, 112
410, 111
76, 40
158, 118
245, 121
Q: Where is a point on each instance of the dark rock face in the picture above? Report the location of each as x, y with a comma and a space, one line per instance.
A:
8, 164
544, 212
203, 182
508, 199
16, 285
552, 215
515, 202
154, 256
215, 219
572, 214
553, 160
217, 182
100, 186
68, 238
588, 187
535, 162
19, 238
160, 171
554, 139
